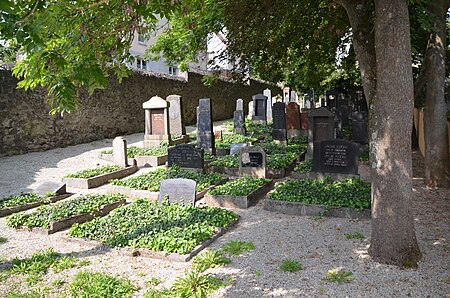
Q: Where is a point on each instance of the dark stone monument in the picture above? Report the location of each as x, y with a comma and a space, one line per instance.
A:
252, 162
236, 148
279, 122
320, 127
332, 98
293, 120
335, 156
205, 135
239, 122
360, 101
186, 156
178, 190
259, 108
359, 127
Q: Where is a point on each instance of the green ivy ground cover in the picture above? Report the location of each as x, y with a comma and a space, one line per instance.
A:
151, 180
159, 227
133, 151
273, 161
228, 139
21, 200
89, 173
273, 148
304, 166
45, 214
240, 187
353, 193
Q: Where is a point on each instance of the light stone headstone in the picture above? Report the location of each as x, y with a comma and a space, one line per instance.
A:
120, 152
250, 110
178, 190
175, 115
239, 104
236, 148
267, 92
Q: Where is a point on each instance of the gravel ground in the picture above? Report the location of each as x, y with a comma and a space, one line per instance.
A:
319, 244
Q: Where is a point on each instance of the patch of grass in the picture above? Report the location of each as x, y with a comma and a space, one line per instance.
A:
195, 284
3, 239
89, 284
290, 266
236, 247
153, 282
356, 235
258, 273
210, 259
35, 293
58, 282
338, 275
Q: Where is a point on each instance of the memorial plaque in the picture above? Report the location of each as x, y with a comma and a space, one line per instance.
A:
252, 162
236, 148
186, 156
178, 190
157, 119
335, 156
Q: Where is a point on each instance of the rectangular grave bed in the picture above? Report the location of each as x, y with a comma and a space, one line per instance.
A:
17, 208
146, 228
181, 140
318, 175
61, 215
239, 201
296, 208
96, 181
141, 161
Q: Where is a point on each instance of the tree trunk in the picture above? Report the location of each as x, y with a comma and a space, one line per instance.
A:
393, 238
437, 171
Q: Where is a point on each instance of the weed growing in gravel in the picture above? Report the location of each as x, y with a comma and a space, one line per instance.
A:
338, 275
210, 259
3, 239
58, 282
88, 284
236, 247
153, 282
195, 284
258, 273
354, 236
290, 266
35, 293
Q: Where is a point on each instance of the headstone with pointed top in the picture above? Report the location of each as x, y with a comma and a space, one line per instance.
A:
267, 92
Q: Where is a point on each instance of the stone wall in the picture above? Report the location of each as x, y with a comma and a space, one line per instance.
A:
26, 125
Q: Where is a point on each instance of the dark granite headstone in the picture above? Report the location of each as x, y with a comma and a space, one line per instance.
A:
335, 156
320, 127
259, 107
332, 98
205, 135
186, 156
252, 162
178, 190
236, 148
279, 122
239, 122
359, 127
360, 101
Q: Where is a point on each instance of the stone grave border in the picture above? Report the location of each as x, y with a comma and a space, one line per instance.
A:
321, 175
238, 202
67, 222
141, 160
96, 181
133, 193
161, 255
13, 209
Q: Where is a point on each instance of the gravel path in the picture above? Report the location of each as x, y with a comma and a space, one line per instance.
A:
318, 244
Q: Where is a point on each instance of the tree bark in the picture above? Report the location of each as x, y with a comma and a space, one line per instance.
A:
437, 170
393, 238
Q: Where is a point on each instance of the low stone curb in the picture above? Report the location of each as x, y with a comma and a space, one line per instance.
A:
238, 202
13, 209
296, 208
65, 223
318, 175
86, 183
141, 161
270, 173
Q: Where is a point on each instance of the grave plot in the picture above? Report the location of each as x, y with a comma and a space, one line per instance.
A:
148, 185
348, 198
258, 130
61, 215
25, 201
91, 178
241, 193
151, 156
223, 146
147, 228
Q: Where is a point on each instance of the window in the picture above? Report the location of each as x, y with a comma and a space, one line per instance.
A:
141, 64
141, 38
173, 70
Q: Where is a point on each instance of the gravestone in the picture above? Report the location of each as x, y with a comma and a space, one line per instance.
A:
320, 127
267, 92
182, 191
205, 136
304, 122
361, 101
259, 108
175, 115
252, 162
239, 122
250, 110
293, 120
323, 102
240, 104
335, 156
293, 97
332, 97
186, 156
344, 110
120, 152
279, 123
359, 127
156, 122
236, 148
